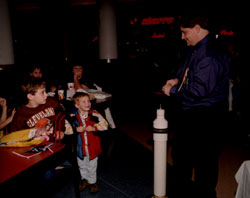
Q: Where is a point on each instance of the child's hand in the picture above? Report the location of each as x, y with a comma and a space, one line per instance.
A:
89, 128
9, 119
59, 134
40, 132
80, 129
50, 131
3, 102
12, 114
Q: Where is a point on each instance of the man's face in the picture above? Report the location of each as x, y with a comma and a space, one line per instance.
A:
189, 35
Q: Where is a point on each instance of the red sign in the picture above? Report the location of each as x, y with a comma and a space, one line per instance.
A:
225, 32
154, 21
158, 35
157, 21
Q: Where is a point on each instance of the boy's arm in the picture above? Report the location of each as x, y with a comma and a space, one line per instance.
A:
4, 110
102, 124
8, 120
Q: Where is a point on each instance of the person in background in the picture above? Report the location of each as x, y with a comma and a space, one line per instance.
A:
89, 123
201, 87
235, 64
4, 119
36, 71
81, 81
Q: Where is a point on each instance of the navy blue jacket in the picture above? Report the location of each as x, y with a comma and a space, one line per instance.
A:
207, 81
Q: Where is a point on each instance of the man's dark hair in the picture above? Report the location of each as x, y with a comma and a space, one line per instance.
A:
191, 21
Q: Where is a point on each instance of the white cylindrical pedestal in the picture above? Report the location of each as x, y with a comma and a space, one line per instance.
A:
160, 164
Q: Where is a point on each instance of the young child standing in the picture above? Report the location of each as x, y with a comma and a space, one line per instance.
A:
88, 123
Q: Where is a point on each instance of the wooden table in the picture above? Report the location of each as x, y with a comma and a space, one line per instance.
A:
98, 101
12, 164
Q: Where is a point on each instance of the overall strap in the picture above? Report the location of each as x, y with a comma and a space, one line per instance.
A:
79, 120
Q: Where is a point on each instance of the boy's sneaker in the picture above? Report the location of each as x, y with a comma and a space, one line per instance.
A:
84, 184
93, 188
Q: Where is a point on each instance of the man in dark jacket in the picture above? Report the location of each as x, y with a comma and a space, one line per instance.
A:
202, 90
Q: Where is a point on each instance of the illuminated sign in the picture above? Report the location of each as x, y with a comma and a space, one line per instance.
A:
133, 21
154, 21
157, 21
226, 33
158, 35
95, 39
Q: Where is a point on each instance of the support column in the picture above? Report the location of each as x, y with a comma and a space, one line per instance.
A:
107, 30
6, 42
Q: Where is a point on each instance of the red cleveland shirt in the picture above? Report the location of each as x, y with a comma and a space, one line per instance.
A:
26, 117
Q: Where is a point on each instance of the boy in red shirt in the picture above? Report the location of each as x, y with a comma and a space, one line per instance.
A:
38, 106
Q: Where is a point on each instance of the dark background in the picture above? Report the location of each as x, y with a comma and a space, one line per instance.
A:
56, 33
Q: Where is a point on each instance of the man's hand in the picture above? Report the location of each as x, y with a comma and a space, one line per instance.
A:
169, 84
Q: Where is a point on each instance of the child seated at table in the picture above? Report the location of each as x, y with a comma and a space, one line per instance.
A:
38, 106
4, 119
88, 123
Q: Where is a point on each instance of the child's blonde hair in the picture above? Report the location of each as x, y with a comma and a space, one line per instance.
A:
79, 95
